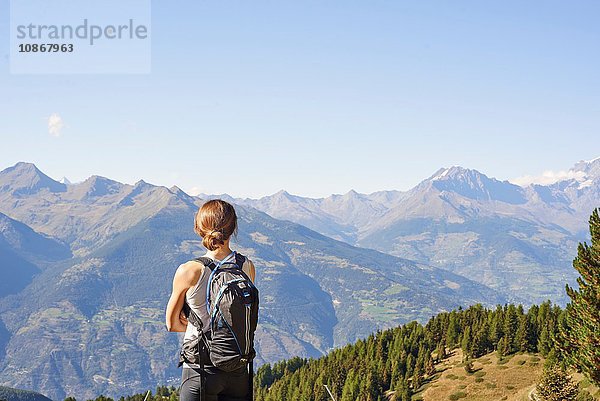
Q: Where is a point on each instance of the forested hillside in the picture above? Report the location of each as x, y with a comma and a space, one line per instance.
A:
393, 364
13, 394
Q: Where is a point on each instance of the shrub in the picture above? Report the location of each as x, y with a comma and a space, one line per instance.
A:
457, 396
469, 367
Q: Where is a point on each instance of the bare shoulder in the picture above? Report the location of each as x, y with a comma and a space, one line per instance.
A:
249, 264
189, 272
249, 268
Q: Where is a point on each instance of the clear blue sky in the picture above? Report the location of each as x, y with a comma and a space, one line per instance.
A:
318, 97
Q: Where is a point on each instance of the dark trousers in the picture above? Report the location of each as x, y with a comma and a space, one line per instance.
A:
220, 385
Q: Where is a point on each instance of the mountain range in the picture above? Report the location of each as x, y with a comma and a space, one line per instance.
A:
517, 240
89, 268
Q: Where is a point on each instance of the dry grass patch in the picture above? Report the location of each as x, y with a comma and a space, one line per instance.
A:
509, 380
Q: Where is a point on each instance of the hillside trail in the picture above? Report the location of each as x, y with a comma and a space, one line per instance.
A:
531, 395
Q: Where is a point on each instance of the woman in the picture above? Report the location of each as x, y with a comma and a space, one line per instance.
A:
215, 222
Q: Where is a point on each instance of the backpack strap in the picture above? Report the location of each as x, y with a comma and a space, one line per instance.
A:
195, 320
240, 260
206, 261
211, 265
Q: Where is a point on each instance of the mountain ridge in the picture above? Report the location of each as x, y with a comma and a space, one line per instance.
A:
106, 302
462, 220
25, 178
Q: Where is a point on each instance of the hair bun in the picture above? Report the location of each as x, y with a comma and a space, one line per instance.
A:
213, 239
215, 222
217, 234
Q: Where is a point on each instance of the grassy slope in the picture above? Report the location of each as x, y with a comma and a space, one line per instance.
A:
510, 380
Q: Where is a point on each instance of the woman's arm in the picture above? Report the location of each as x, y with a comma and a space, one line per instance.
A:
185, 277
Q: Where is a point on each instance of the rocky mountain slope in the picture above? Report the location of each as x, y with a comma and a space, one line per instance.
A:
24, 253
90, 320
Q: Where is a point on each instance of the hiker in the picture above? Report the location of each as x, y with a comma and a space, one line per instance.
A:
215, 303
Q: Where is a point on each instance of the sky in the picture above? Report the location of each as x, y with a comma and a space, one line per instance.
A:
320, 97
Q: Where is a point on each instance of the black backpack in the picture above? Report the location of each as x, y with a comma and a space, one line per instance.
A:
232, 304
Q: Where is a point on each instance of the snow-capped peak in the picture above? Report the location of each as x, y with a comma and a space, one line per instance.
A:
590, 168
450, 172
582, 173
474, 185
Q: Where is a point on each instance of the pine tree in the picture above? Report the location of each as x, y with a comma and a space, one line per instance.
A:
410, 366
467, 343
503, 348
511, 323
481, 342
265, 375
441, 351
522, 334
402, 392
429, 366
532, 330
351, 387
496, 331
544, 344
580, 338
453, 331
556, 385
416, 381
